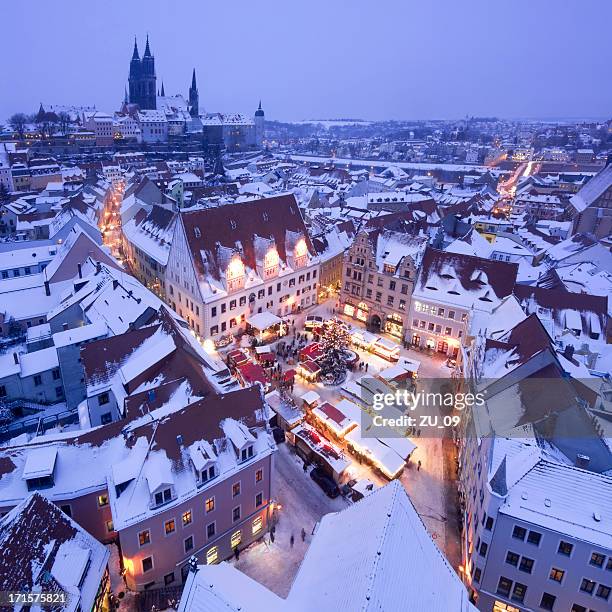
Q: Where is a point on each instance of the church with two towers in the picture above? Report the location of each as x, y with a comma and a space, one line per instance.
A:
238, 132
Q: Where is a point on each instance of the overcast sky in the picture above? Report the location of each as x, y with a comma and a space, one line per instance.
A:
395, 59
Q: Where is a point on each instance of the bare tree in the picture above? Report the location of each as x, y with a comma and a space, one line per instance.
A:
18, 122
63, 121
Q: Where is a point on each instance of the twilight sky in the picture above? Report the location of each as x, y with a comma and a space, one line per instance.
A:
384, 59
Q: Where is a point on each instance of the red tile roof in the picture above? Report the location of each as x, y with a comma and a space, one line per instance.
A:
236, 225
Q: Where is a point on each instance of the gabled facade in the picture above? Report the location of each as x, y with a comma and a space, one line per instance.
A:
378, 277
450, 290
233, 261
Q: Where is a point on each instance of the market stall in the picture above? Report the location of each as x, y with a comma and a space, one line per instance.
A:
312, 447
309, 370
310, 400
333, 419
288, 415
265, 325
250, 373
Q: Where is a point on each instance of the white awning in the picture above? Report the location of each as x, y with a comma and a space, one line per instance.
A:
263, 320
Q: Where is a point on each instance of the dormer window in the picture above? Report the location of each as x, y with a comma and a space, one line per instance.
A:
300, 253
208, 474
270, 264
163, 497
235, 274
247, 453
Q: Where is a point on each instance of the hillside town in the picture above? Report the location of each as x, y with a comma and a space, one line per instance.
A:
201, 311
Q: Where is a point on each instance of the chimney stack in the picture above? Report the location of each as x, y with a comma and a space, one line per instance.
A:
568, 352
47, 288
80, 270
16, 358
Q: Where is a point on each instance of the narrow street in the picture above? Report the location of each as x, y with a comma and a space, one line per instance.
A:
110, 222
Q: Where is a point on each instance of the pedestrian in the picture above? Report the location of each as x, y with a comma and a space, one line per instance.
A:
291, 540
419, 466
303, 535
236, 553
367, 364
418, 433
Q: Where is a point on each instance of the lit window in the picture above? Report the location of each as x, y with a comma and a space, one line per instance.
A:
102, 500
257, 525
169, 527
236, 539
144, 537
186, 518
556, 574
212, 555
210, 504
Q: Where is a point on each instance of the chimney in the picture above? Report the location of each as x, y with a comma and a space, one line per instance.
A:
47, 288
16, 358
98, 267
80, 270
582, 461
568, 352
179, 440
115, 283
64, 326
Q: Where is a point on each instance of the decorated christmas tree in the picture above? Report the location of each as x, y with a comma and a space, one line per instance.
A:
334, 342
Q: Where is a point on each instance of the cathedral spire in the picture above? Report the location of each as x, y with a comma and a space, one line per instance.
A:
147, 52
193, 80
162, 90
125, 96
135, 55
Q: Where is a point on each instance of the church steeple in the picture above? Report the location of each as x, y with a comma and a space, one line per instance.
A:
142, 81
194, 98
163, 93
147, 52
135, 55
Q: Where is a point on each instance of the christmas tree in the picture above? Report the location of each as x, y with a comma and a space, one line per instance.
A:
334, 342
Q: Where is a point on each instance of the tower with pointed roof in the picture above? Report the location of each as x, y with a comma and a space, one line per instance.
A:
194, 98
142, 78
260, 121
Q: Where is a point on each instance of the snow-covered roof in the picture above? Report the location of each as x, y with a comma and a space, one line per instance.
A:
593, 189
263, 320
376, 555
40, 463
45, 550
564, 499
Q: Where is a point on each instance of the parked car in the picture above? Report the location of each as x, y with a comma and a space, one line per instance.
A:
313, 321
325, 482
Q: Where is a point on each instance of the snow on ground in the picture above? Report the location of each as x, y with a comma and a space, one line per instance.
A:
303, 503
